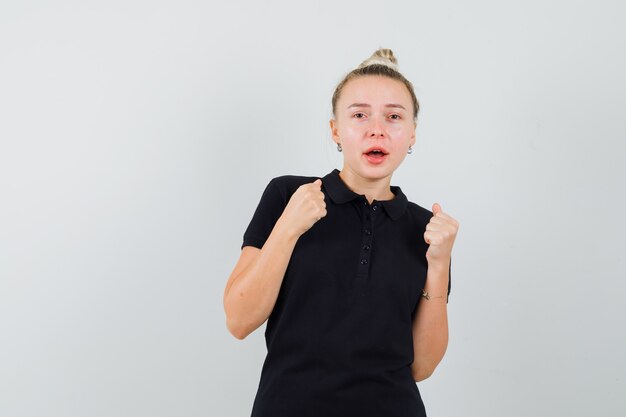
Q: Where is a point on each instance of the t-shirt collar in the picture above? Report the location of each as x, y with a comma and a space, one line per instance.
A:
340, 193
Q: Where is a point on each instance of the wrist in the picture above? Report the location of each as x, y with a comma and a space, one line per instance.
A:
429, 295
285, 230
437, 278
439, 265
435, 290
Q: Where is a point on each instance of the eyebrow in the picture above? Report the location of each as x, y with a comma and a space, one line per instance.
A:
367, 105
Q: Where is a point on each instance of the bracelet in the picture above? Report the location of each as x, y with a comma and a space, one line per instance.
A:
428, 296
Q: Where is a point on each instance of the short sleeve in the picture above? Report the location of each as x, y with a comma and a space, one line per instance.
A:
268, 211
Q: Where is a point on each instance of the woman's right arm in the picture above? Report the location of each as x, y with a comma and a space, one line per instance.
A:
254, 284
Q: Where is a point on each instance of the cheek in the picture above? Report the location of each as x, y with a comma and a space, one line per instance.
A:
352, 131
400, 136
351, 138
400, 130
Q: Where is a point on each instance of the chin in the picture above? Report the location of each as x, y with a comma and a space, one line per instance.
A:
376, 172
372, 171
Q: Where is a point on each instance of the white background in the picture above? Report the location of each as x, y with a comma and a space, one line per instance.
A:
136, 138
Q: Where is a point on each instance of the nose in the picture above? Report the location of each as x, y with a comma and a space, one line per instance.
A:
376, 127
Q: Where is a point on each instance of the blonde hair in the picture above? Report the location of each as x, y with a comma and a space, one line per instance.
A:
383, 63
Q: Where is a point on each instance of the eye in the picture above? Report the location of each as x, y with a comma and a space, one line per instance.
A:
395, 116
356, 114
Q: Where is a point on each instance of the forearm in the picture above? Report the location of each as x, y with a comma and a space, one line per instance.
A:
430, 324
252, 296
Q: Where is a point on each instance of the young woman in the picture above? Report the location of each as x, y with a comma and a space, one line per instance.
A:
352, 278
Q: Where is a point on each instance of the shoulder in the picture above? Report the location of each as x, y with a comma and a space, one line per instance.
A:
293, 180
418, 213
286, 185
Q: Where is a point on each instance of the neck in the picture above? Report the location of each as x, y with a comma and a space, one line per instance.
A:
378, 189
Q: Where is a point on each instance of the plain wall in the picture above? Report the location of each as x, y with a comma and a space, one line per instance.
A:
136, 138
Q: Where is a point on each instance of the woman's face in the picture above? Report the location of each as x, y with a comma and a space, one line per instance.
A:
374, 112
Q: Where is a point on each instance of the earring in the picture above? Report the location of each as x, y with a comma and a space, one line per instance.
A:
410, 150
339, 147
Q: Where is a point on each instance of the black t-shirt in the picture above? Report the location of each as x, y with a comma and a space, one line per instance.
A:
339, 339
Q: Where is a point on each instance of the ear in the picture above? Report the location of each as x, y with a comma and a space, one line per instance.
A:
333, 130
412, 138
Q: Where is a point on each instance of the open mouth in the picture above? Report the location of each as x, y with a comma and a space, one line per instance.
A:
375, 156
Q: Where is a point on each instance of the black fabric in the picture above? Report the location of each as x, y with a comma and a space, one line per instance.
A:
339, 339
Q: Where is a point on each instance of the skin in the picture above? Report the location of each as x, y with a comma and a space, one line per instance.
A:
255, 282
358, 128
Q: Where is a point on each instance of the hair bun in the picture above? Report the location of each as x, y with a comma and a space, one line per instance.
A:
381, 57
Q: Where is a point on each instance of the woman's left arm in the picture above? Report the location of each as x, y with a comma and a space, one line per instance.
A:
430, 323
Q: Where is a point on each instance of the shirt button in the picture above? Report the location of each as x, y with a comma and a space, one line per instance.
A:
363, 261
367, 232
374, 207
366, 247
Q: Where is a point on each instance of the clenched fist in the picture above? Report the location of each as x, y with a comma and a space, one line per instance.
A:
305, 207
440, 234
